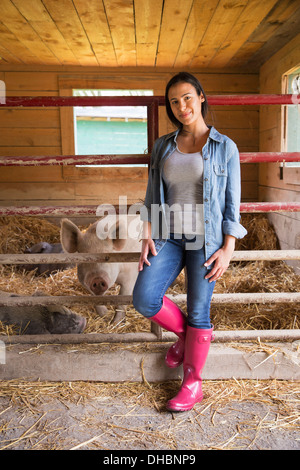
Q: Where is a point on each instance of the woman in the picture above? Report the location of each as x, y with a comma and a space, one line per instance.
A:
191, 219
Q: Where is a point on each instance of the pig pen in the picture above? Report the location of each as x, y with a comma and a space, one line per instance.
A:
104, 347
18, 233
130, 415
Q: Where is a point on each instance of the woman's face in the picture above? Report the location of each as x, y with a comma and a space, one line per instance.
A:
185, 103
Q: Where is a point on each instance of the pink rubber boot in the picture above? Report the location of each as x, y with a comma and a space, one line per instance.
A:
171, 318
197, 345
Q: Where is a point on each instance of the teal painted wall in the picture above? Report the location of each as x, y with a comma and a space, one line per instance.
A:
111, 137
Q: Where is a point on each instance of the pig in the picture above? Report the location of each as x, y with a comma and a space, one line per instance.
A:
45, 269
97, 278
39, 319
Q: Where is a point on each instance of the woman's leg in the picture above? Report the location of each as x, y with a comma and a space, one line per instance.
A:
153, 281
199, 332
197, 345
199, 290
149, 298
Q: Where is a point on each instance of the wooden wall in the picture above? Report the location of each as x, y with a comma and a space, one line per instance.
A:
49, 131
274, 185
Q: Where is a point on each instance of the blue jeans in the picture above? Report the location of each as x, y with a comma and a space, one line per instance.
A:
153, 281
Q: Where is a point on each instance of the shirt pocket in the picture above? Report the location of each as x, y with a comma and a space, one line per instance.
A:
220, 170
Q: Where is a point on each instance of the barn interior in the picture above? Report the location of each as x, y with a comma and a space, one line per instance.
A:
132, 48
66, 48
50, 48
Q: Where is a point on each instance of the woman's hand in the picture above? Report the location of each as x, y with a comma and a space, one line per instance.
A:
147, 247
221, 259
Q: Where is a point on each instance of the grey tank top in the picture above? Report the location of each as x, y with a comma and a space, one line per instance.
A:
183, 178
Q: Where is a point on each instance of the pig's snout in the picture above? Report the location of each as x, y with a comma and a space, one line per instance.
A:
99, 285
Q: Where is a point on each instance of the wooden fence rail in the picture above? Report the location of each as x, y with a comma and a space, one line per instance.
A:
40, 258
152, 104
228, 298
225, 336
136, 159
91, 210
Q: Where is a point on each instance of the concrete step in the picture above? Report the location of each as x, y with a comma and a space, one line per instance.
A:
138, 362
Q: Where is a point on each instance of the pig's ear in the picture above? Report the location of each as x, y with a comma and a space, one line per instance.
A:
70, 236
117, 236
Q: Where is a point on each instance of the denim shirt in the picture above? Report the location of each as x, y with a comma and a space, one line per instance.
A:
221, 190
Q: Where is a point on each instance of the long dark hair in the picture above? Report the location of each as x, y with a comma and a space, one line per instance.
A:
186, 78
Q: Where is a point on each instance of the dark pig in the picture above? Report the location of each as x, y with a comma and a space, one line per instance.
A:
39, 319
110, 234
46, 269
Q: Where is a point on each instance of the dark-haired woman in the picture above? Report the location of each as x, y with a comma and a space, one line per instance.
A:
191, 219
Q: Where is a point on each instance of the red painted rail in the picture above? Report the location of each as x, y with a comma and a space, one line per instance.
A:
76, 160
219, 100
226, 100
257, 157
152, 104
60, 211
270, 207
137, 159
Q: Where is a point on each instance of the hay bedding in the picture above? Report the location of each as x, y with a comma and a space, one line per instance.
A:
261, 276
236, 414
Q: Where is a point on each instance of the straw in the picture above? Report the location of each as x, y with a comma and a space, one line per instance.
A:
221, 398
259, 276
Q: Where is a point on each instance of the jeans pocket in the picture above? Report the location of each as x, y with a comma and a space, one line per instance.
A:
159, 244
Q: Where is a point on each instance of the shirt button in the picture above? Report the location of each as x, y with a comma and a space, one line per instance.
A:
206, 200
205, 179
206, 222
207, 243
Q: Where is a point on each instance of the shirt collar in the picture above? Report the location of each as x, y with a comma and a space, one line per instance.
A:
213, 134
173, 135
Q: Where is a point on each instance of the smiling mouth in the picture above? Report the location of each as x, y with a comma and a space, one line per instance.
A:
184, 116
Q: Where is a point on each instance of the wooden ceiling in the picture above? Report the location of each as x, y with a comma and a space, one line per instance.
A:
146, 33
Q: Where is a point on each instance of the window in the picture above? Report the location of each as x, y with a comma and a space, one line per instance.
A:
110, 130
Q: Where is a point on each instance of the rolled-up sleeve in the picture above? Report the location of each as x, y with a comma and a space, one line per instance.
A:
153, 186
145, 211
231, 220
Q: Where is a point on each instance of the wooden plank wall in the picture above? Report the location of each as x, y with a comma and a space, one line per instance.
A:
44, 131
271, 186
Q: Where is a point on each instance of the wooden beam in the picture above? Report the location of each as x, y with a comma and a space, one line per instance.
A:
228, 298
95, 338
15, 259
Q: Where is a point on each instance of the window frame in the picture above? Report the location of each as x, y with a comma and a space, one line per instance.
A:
290, 173
114, 92
66, 86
